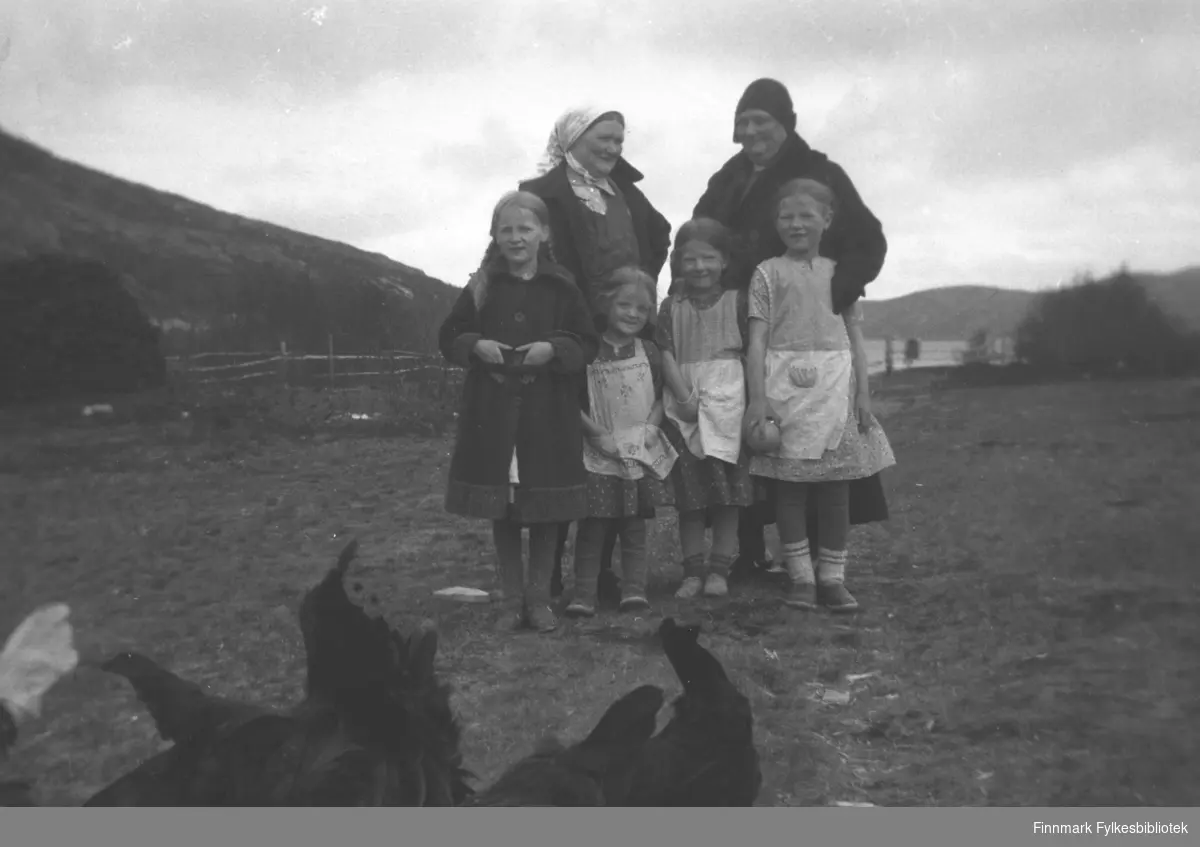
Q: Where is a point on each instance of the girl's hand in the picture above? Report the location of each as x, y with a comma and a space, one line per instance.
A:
688, 409
536, 353
862, 411
490, 351
757, 412
606, 444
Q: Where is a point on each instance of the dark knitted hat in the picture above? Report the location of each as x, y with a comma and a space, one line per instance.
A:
770, 96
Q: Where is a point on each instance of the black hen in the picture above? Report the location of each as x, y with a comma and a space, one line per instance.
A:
555, 775
705, 755
375, 727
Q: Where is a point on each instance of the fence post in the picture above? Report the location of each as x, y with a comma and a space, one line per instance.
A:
283, 363
331, 361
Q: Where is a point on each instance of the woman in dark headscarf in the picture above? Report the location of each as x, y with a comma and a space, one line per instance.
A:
740, 195
599, 221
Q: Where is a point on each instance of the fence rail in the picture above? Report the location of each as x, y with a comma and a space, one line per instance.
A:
295, 368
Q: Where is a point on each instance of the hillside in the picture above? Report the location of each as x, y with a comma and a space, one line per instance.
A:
954, 313
190, 265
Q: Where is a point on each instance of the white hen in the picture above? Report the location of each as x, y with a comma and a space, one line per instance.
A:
38, 654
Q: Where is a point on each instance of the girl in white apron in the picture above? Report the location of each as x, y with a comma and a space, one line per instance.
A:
701, 333
625, 453
807, 370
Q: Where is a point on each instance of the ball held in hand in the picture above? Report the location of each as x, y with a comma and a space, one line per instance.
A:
762, 436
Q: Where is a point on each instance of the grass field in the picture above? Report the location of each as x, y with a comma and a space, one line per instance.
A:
1030, 633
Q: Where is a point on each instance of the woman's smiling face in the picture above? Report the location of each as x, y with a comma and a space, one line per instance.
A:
760, 135
600, 147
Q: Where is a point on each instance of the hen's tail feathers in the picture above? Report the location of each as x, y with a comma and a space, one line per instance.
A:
180, 709
383, 682
627, 722
699, 671
38, 654
347, 651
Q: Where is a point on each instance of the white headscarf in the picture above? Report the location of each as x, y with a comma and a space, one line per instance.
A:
570, 125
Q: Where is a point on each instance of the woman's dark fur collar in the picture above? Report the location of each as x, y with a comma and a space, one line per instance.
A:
794, 147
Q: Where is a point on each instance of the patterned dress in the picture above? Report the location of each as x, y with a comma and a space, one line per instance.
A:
613, 496
793, 297
684, 331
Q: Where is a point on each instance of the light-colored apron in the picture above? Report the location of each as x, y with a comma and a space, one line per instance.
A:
621, 397
809, 365
718, 382
810, 391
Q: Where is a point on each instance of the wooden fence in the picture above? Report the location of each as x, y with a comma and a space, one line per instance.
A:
286, 368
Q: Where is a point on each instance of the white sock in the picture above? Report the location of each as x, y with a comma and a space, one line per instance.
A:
798, 561
831, 566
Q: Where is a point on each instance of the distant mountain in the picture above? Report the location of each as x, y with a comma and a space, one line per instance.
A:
191, 265
186, 262
956, 312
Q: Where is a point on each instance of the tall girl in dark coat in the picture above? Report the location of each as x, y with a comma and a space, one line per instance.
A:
522, 330
599, 221
741, 196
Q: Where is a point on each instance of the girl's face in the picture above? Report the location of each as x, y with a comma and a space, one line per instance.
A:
519, 234
599, 148
701, 265
629, 311
800, 222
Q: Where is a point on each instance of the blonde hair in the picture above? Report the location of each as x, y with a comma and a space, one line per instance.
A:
818, 191
478, 284
628, 276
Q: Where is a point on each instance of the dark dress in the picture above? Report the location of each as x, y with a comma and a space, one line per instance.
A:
588, 245
534, 409
744, 202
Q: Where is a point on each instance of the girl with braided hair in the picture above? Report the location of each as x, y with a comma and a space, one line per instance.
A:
522, 330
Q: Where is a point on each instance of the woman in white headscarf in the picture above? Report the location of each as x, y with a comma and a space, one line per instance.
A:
599, 221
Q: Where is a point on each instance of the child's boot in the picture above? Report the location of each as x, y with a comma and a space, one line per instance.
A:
693, 578
510, 576
587, 566
831, 577
633, 567
801, 588
716, 582
608, 582
537, 587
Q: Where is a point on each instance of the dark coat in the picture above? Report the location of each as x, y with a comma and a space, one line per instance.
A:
653, 231
855, 240
541, 418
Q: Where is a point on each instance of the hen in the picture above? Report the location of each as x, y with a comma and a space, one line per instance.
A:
556, 775
705, 755
375, 727
37, 654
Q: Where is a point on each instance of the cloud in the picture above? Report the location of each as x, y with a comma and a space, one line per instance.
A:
998, 144
220, 45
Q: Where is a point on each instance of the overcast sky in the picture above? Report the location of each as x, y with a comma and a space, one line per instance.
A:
1001, 143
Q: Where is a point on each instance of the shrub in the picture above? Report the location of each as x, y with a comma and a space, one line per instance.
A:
68, 327
1103, 327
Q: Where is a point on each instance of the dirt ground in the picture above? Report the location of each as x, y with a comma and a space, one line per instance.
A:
1029, 633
